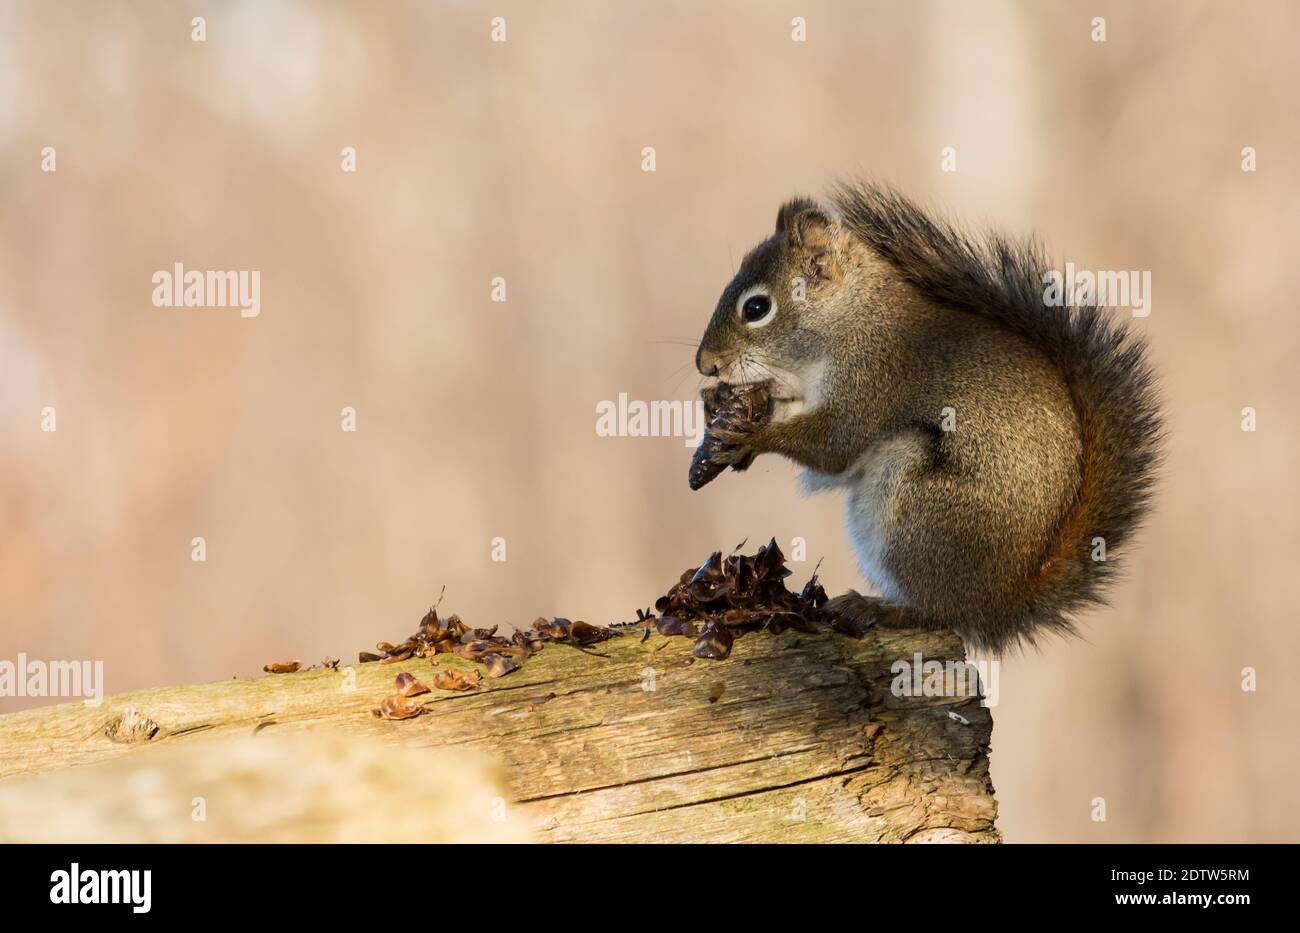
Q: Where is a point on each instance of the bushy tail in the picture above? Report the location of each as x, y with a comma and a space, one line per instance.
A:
1103, 362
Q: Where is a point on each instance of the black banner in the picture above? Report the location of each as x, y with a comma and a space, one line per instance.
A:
239, 882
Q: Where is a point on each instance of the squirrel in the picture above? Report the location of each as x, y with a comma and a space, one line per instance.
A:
995, 450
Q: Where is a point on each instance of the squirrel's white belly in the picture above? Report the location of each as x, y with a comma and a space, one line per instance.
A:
872, 483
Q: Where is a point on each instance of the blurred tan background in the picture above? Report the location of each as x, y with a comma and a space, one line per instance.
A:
476, 419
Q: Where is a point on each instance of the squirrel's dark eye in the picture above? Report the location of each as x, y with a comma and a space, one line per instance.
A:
755, 309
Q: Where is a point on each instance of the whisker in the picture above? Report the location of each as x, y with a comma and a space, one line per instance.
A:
762, 367
679, 374
678, 386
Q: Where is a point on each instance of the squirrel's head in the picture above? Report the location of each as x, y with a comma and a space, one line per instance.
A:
775, 321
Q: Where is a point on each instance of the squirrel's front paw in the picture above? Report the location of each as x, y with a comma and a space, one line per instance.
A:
744, 434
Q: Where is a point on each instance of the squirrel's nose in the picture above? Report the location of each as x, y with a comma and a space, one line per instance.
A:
706, 362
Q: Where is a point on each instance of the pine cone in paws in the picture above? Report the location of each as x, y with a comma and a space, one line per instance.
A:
729, 410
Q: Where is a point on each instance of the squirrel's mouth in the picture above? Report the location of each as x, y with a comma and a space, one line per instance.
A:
778, 392
793, 390
786, 401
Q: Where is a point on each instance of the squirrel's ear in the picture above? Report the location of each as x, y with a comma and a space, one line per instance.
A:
800, 216
810, 229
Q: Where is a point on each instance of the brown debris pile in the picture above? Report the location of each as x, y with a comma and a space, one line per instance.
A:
730, 411
733, 595
498, 654
445, 636
715, 603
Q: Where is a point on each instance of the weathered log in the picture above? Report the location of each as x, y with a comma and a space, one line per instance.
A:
794, 738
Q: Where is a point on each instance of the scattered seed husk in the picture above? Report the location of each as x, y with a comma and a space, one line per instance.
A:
672, 625
480, 649
282, 667
398, 707
453, 678
408, 686
730, 411
714, 642
498, 665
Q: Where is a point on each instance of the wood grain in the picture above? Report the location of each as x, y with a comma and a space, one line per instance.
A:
794, 738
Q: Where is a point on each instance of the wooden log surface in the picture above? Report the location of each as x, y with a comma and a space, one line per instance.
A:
794, 738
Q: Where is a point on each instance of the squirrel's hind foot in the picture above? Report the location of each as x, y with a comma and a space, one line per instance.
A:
866, 611
852, 606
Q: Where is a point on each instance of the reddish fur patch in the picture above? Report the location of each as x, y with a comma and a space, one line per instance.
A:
1068, 541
